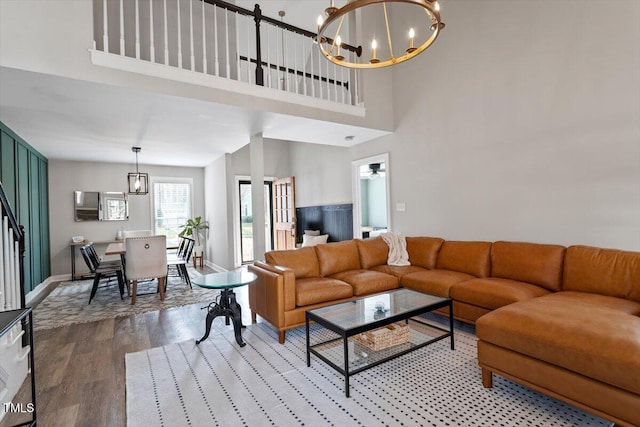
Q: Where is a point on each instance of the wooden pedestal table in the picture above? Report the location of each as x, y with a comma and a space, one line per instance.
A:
225, 304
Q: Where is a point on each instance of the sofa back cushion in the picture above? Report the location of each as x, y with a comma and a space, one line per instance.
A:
528, 262
373, 252
423, 251
338, 257
608, 272
465, 257
303, 261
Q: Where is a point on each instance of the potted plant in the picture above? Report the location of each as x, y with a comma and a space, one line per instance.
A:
195, 228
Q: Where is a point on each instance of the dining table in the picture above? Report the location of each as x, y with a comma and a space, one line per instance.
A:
120, 248
116, 248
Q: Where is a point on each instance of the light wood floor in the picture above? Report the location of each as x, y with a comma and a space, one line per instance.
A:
80, 371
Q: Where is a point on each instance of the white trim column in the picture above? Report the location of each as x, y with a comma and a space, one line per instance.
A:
256, 154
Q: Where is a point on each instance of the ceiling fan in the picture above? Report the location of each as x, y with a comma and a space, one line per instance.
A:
375, 170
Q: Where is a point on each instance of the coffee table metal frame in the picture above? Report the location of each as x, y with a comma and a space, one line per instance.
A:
345, 333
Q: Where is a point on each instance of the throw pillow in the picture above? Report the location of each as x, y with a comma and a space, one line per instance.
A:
308, 240
312, 232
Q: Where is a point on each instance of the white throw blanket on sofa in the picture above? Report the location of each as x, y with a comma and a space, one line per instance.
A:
398, 254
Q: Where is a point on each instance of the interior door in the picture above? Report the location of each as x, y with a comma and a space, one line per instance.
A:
284, 213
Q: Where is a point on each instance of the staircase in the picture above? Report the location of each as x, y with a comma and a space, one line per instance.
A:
14, 350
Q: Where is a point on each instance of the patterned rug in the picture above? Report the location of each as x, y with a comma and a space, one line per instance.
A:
267, 384
68, 303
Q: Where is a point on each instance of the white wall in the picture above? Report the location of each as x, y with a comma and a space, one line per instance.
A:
323, 177
217, 203
323, 174
276, 159
522, 122
221, 191
67, 176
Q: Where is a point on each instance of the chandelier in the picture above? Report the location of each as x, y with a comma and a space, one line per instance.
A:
420, 19
138, 181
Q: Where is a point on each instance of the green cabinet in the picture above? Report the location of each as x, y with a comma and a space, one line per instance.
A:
24, 176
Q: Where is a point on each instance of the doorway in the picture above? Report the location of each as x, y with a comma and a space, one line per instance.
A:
247, 254
371, 190
284, 213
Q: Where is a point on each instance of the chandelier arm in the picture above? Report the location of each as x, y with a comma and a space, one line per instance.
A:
386, 21
430, 16
337, 33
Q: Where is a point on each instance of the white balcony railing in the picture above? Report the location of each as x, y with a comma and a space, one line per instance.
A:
220, 39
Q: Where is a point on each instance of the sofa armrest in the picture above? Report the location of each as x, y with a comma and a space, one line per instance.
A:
273, 292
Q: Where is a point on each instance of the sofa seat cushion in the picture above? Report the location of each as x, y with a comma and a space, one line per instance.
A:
434, 282
365, 282
493, 292
594, 335
398, 270
315, 290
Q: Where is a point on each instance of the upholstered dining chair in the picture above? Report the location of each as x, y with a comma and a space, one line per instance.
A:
146, 259
136, 233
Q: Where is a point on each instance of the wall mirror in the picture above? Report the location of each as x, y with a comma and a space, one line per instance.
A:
101, 206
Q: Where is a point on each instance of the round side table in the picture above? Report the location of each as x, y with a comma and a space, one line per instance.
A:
226, 305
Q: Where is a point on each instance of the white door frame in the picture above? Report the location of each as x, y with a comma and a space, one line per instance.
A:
237, 257
356, 191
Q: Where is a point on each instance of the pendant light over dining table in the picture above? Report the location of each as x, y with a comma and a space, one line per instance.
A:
415, 27
138, 181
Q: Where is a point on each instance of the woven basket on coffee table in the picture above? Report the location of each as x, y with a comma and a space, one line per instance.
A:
385, 337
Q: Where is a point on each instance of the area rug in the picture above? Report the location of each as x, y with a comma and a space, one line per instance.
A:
68, 303
267, 384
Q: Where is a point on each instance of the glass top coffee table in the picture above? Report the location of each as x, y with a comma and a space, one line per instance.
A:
226, 305
356, 322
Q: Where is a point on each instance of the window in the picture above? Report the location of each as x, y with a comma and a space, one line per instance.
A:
171, 207
246, 220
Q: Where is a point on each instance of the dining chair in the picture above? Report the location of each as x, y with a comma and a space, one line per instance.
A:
136, 233
97, 260
101, 271
146, 259
176, 250
177, 263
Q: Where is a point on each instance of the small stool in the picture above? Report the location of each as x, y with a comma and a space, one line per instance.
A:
197, 257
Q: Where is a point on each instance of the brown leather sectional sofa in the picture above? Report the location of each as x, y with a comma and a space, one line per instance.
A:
563, 321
